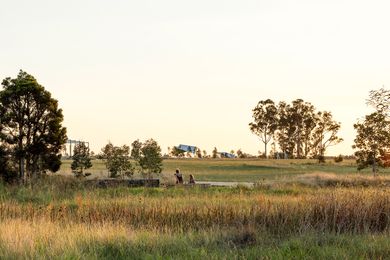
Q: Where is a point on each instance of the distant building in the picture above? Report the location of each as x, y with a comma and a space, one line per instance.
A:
227, 155
187, 148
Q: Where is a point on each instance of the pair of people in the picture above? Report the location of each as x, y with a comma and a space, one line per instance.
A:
179, 178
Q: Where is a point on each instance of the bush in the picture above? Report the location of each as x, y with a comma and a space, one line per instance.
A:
338, 159
321, 158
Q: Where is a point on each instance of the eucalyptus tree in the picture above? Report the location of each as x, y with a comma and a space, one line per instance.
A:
325, 133
295, 126
372, 140
304, 121
285, 132
31, 125
265, 121
380, 100
373, 134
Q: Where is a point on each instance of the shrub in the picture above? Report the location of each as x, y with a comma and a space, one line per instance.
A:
321, 159
339, 158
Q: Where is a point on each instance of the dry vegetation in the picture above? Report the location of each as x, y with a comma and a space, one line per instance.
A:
349, 180
279, 211
319, 214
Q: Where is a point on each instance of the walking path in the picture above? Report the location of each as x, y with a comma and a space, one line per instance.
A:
226, 183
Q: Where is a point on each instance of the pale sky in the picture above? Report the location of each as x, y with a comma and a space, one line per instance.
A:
191, 71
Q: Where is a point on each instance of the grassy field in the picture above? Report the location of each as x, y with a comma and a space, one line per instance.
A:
244, 170
301, 210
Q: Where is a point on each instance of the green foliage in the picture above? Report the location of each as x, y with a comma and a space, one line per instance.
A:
241, 154
215, 153
149, 158
136, 149
380, 100
31, 125
321, 158
118, 160
338, 159
81, 159
198, 153
297, 128
8, 172
372, 140
176, 152
265, 121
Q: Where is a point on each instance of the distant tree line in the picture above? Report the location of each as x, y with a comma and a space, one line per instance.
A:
298, 129
143, 157
175, 152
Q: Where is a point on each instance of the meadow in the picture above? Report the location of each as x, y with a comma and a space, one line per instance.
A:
297, 209
239, 170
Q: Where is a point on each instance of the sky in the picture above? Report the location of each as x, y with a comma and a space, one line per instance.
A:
190, 72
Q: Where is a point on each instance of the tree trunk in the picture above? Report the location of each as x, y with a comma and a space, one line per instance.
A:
21, 169
374, 165
21, 157
374, 168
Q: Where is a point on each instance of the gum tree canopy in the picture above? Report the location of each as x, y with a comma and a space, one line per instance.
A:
265, 121
31, 126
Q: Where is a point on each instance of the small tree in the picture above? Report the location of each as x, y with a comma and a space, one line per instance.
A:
176, 152
241, 154
338, 158
150, 158
118, 160
198, 153
81, 159
215, 153
204, 153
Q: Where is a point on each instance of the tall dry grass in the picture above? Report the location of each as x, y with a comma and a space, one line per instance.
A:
26, 238
337, 210
323, 179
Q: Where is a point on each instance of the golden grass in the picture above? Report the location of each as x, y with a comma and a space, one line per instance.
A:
335, 210
18, 235
347, 180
